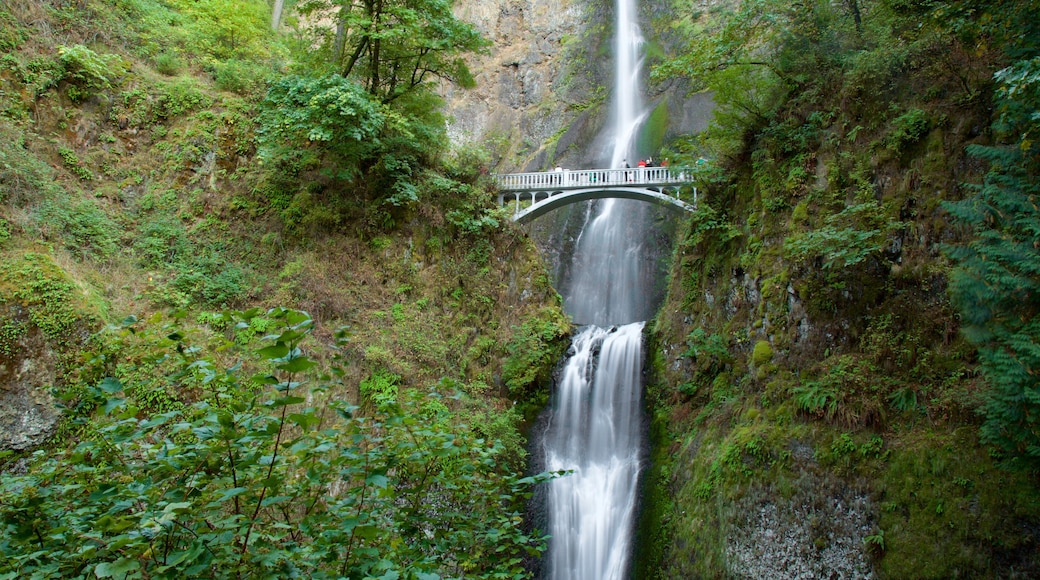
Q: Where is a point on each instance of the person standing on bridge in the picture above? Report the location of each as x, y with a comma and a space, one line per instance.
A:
628, 174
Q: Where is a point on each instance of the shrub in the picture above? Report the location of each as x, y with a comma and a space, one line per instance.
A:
235, 484
238, 76
168, 64
82, 227
907, 129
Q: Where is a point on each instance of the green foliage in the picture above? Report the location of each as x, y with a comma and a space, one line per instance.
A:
330, 115
239, 76
74, 165
165, 101
710, 352
380, 389
168, 64
907, 129
227, 28
82, 227
709, 225
162, 241
89, 70
24, 178
848, 237
209, 278
234, 484
850, 392
996, 284
392, 48
533, 351
38, 284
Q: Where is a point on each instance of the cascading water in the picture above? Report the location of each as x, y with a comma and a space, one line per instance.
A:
595, 425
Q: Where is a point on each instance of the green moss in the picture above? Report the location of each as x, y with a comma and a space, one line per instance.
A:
44, 290
762, 354
651, 138
947, 507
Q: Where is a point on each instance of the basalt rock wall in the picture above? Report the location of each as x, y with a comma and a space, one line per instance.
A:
543, 88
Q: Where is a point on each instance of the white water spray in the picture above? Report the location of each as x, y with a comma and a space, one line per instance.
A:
596, 423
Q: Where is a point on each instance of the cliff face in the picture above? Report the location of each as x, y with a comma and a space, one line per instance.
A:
543, 88
528, 83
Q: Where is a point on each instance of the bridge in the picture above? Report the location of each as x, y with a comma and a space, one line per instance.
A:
548, 190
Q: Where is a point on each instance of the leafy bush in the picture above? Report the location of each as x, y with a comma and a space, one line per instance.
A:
89, 69
380, 389
162, 241
168, 64
43, 288
210, 279
907, 129
710, 352
82, 227
227, 28
238, 76
328, 115
533, 350
238, 485
848, 237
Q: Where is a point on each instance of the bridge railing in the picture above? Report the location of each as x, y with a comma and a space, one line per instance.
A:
590, 178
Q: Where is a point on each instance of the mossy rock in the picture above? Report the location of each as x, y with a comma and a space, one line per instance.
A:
762, 354
46, 320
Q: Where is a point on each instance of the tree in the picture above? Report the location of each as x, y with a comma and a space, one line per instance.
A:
227, 28
996, 282
330, 117
393, 47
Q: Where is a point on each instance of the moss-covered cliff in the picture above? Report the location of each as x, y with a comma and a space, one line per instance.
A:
815, 408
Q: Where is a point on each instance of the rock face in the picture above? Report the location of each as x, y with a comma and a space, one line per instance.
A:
543, 89
528, 83
27, 372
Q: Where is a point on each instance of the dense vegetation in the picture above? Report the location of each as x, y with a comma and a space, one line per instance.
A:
172, 173
846, 358
870, 194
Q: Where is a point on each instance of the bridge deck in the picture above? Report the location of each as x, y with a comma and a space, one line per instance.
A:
543, 191
581, 178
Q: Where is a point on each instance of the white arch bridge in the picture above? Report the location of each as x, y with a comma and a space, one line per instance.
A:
548, 190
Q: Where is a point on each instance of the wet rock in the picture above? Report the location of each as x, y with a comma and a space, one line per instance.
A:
28, 366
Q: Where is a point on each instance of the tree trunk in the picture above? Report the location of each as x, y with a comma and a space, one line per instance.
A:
854, 8
276, 14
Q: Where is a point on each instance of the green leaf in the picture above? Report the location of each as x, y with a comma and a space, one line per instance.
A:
268, 501
177, 507
118, 569
296, 365
275, 351
283, 401
230, 493
113, 404
377, 480
110, 385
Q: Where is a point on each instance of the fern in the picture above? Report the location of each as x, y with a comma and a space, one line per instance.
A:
996, 284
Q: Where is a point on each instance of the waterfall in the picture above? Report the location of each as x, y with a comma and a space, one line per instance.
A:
595, 423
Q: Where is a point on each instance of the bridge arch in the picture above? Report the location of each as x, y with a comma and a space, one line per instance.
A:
546, 201
548, 190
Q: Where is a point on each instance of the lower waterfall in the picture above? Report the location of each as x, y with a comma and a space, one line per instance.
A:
595, 431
